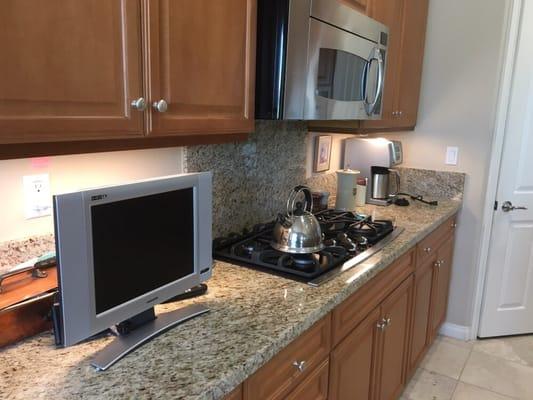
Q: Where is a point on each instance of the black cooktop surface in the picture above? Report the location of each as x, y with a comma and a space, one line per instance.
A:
345, 235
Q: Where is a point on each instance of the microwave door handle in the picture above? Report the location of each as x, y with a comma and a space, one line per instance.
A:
364, 77
371, 106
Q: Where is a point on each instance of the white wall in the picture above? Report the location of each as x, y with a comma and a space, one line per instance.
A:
459, 89
73, 172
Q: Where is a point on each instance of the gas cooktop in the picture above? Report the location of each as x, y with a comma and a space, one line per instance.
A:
349, 239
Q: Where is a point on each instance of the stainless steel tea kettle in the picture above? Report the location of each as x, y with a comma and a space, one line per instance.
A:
298, 232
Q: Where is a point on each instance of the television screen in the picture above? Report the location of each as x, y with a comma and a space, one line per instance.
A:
141, 244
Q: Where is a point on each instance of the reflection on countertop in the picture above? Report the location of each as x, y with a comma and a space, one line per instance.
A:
253, 316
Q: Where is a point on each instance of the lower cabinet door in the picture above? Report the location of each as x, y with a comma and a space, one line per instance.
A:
351, 362
441, 285
420, 318
393, 338
314, 387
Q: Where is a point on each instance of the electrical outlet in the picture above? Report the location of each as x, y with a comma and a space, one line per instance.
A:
452, 153
37, 198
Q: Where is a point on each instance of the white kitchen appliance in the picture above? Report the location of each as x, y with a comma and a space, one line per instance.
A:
363, 154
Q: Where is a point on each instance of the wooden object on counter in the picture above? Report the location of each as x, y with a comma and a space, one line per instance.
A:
66, 82
27, 320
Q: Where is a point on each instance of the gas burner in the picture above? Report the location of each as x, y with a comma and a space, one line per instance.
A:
305, 262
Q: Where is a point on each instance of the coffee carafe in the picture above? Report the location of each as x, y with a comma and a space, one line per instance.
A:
381, 179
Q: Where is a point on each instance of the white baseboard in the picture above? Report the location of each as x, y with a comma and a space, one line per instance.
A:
455, 331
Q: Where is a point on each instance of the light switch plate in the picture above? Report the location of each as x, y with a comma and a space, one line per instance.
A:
37, 198
452, 154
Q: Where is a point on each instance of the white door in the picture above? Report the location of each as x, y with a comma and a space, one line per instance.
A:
508, 298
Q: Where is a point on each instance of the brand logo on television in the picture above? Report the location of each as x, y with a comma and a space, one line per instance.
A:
98, 197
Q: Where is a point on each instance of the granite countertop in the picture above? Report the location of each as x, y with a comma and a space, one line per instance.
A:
253, 316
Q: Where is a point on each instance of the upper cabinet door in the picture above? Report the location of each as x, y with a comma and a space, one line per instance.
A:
201, 66
411, 60
389, 13
69, 70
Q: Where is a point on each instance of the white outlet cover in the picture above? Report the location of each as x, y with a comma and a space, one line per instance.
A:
452, 154
37, 198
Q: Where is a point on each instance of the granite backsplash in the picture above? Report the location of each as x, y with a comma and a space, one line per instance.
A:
251, 182
252, 179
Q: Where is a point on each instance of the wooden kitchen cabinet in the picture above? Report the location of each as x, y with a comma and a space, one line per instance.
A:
441, 285
415, 14
407, 20
202, 64
421, 311
432, 280
389, 13
294, 364
394, 332
351, 373
132, 71
315, 386
69, 70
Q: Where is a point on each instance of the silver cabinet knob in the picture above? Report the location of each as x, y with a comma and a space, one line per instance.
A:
454, 225
139, 104
300, 365
427, 249
400, 113
508, 206
383, 323
160, 106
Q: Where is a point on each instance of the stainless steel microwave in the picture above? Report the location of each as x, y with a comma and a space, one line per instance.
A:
318, 60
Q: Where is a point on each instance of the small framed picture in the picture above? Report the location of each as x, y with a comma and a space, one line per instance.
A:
322, 153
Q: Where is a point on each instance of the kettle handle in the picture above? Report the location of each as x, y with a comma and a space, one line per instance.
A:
294, 194
397, 174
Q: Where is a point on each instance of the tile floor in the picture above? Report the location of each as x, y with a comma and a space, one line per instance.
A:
491, 369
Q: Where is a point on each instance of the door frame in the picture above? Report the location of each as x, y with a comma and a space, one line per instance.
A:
509, 46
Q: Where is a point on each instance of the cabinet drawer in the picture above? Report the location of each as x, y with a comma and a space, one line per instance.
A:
315, 386
427, 247
354, 309
281, 374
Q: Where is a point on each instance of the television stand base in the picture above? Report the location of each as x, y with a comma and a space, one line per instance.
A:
122, 345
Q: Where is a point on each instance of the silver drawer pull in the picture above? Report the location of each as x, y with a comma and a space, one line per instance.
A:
427, 249
454, 225
300, 365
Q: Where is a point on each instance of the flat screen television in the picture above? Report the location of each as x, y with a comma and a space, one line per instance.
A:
123, 249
